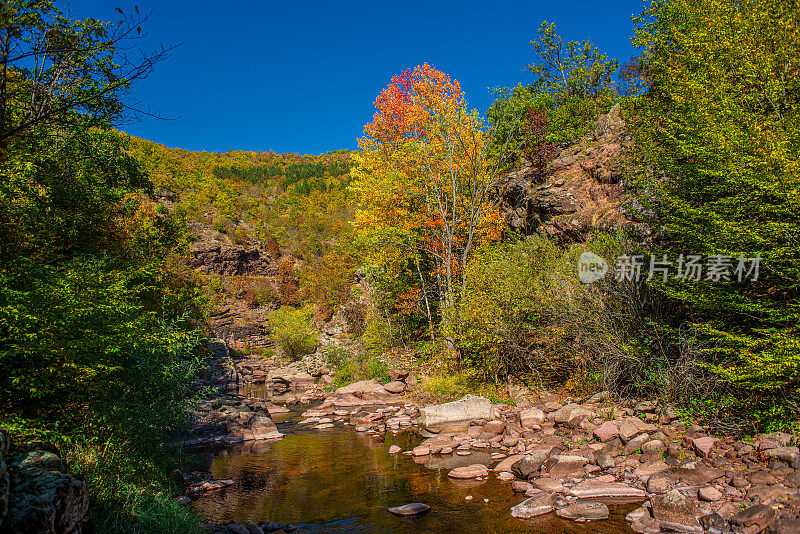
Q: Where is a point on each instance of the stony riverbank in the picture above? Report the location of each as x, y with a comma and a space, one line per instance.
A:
573, 457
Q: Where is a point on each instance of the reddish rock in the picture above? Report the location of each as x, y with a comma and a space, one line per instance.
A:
753, 519
542, 503
704, 445
470, 471
607, 431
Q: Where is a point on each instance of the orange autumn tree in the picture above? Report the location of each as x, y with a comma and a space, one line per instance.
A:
424, 180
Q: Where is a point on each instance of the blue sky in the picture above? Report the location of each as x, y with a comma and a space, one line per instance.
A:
293, 76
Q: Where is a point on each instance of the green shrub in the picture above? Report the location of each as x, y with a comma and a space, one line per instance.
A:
525, 313
293, 332
449, 385
573, 86
357, 367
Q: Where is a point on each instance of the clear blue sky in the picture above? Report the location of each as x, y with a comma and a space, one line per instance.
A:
294, 76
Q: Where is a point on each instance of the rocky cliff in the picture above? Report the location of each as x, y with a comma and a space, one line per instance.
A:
253, 278
581, 190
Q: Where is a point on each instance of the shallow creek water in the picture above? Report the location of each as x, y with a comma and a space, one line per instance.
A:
339, 480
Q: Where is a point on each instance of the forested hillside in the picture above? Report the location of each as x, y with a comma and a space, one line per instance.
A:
632, 230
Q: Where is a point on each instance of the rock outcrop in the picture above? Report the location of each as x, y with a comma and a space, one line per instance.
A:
580, 190
38, 494
214, 252
254, 277
229, 421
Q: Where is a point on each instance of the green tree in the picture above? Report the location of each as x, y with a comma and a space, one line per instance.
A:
98, 319
573, 84
719, 133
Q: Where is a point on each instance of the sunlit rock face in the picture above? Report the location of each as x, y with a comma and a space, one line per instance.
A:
582, 189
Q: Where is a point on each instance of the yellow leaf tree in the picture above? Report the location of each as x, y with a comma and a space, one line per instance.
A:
424, 181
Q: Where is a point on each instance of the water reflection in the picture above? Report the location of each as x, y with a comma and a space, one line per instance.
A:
339, 480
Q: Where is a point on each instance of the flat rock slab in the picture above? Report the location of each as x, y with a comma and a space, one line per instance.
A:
361, 388
693, 473
607, 491
584, 511
413, 508
469, 471
542, 503
467, 408
549, 484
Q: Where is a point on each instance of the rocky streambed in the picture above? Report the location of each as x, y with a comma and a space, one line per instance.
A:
583, 465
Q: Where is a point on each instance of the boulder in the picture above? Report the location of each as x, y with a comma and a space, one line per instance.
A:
549, 484
44, 497
494, 427
397, 375
788, 455
607, 491
518, 486
784, 525
507, 463
584, 511
542, 503
531, 416
635, 444
694, 473
762, 478
362, 388
675, 512
562, 465
529, 464
571, 412
605, 460
709, 494
754, 519
395, 386
607, 431
704, 445
628, 430
714, 523
467, 408
261, 427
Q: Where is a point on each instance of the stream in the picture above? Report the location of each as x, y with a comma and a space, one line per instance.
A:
340, 480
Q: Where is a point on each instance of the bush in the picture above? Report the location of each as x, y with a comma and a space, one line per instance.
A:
293, 332
258, 291
526, 314
124, 496
357, 367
